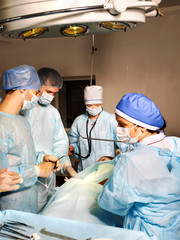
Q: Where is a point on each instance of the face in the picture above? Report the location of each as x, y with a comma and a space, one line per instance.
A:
29, 94
94, 106
50, 90
126, 124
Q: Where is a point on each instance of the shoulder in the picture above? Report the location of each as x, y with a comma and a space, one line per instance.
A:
177, 144
108, 117
81, 117
107, 114
46, 108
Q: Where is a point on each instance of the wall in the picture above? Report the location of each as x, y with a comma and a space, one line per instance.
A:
145, 60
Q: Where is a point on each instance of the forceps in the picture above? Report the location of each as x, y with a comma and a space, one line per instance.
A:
8, 228
55, 166
45, 184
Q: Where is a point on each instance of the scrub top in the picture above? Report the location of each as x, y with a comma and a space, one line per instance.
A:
17, 153
104, 128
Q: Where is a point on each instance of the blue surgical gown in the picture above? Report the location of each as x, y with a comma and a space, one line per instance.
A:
17, 153
48, 131
145, 190
50, 138
105, 128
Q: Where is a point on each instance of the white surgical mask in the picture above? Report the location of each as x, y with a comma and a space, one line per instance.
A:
94, 112
123, 135
27, 105
45, 98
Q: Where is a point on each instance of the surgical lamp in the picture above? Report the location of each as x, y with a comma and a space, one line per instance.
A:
58, 18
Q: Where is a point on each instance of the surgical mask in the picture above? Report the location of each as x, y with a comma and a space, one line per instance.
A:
93, 112
123, 135
27, 105
45, 98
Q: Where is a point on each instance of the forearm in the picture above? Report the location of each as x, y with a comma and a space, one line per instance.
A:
69, 170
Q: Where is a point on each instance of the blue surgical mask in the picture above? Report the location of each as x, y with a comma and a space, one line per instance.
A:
123, 135
93, 112
27, 105
45, 98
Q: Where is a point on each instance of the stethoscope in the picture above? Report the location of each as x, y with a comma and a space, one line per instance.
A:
88, 135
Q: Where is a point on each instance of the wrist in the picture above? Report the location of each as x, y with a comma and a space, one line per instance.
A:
37, 170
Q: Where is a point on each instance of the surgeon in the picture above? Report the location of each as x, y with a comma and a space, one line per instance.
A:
48, 132
145, 183
17, 152
94, 123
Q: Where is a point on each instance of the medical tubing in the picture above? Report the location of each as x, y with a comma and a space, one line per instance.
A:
46, 186
88, 140
101, 139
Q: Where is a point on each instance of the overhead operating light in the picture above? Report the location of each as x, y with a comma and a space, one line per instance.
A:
74, 30
33, 32
118, 26
26, 15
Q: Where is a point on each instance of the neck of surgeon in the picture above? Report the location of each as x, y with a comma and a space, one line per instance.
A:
12, 102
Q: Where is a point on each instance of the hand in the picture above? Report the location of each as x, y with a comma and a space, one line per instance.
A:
45, 169
70, 171
9, 180
53, 159
105, 158
66, 179
71, 150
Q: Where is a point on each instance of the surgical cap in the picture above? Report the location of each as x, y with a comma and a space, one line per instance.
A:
93, 95
140, 110
21, 77
49, 77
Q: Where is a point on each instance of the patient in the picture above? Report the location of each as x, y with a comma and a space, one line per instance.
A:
77, 198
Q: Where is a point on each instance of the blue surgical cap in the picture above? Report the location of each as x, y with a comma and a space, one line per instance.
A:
140, 110
21, 77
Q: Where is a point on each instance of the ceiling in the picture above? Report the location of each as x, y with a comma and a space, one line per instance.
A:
169, 3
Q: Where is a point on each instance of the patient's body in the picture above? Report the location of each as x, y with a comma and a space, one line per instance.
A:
77, 198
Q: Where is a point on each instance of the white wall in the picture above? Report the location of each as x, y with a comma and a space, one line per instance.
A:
144, 60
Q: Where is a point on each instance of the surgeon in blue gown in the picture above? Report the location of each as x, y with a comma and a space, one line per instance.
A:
48, 132
94, 123
145, 183
17, 152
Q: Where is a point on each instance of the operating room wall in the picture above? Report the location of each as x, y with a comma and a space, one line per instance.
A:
144, 60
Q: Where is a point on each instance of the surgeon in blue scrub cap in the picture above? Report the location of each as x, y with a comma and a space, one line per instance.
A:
145, 183
48, 132
17, 152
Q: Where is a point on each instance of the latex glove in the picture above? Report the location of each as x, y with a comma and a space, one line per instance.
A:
71, 150
66, 179
69, 170
53, 159
9, 180
44, 169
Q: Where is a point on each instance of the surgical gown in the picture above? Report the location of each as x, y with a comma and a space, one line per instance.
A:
49, 138
145, 188
17, 153
105, 128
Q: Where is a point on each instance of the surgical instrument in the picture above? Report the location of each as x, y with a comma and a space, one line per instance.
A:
10, 236
18, 223
55, 162
43, 231
11, 230
46, 186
